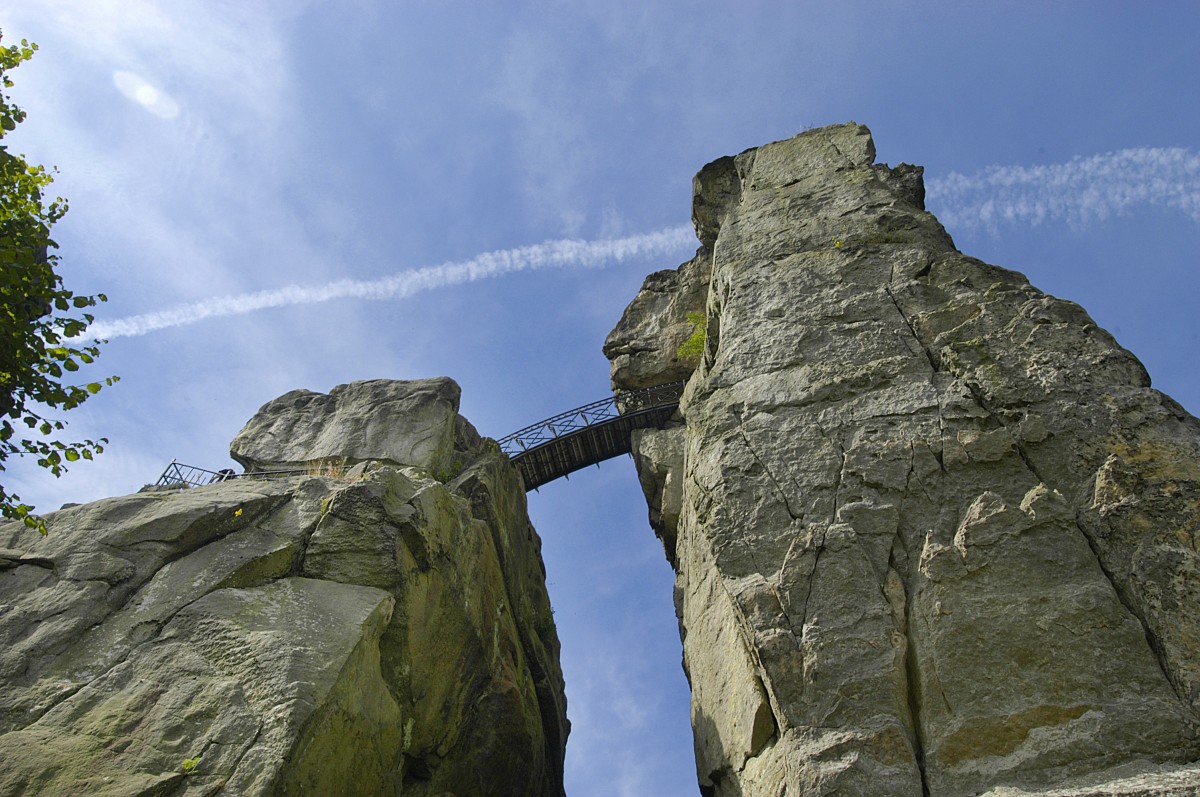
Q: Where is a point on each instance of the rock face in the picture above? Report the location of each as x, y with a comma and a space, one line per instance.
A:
378, 633
411, 422
645, 345
934, 532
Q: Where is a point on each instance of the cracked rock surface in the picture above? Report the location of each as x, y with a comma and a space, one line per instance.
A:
411, 422
378, 633
934, 533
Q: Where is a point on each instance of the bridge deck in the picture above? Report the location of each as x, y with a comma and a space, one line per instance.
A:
589, 434
590, 445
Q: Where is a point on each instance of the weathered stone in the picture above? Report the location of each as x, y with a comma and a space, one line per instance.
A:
1137, 780
659, 454
931, 518
412, 422
471, 653
644, 346
226, 681
379, 633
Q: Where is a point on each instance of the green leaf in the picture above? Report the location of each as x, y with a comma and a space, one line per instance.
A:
35, 311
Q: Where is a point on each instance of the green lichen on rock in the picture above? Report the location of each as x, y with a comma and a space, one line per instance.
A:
692, 348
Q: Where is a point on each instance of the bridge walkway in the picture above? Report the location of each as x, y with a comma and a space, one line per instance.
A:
542, 452
589, 434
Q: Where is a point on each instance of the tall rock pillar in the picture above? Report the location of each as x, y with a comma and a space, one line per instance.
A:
934, 533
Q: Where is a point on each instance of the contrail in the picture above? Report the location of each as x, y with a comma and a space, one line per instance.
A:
550, 254
1080, 191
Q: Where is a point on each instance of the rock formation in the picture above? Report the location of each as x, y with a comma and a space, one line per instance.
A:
934, 533
412, 422
381, 630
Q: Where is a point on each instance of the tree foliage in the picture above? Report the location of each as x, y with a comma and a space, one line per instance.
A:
40, 320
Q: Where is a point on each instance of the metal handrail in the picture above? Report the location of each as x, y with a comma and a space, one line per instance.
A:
177, 474
621, 404
625, 402
180, 475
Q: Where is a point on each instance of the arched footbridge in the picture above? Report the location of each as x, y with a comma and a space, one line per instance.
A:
587, 435
541, 453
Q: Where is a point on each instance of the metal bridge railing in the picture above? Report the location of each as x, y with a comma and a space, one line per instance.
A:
626, 402
179, 475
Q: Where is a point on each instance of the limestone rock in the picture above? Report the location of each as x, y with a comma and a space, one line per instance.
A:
404, 422
932, 528
381, 633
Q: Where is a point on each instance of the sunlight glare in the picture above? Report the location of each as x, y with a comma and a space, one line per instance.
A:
138, 89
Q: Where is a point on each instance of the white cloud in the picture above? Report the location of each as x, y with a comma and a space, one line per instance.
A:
550, 254
1081, 191
145, 194
217, 53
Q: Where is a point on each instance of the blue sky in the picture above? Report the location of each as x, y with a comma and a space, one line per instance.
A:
213, 150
